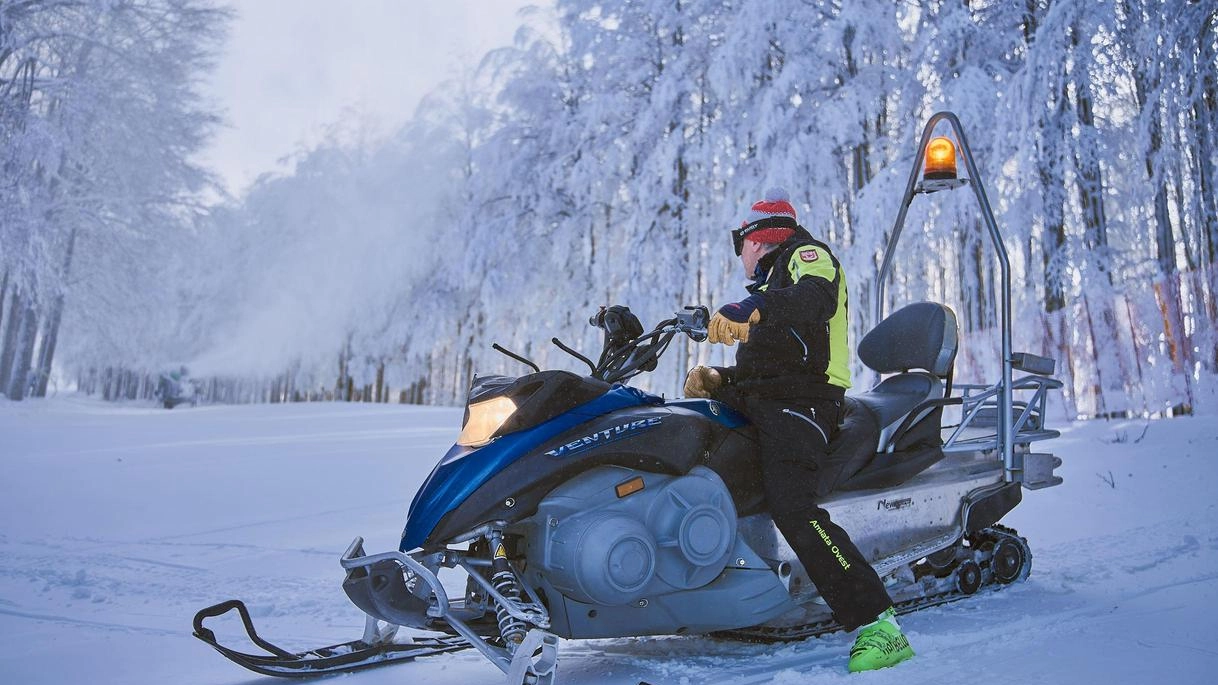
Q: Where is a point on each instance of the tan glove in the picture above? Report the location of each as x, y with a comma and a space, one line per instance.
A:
723, 330
701, 381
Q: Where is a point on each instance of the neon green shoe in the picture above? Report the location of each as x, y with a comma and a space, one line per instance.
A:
880, 645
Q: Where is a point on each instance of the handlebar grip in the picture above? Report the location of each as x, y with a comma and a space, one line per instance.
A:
697, 317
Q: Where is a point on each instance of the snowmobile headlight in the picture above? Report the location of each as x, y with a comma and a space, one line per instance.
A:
485, 419
940, 159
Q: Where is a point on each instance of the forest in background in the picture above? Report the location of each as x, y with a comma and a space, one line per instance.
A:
602, 159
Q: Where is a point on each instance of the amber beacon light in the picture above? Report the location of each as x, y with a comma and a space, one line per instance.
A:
940, 160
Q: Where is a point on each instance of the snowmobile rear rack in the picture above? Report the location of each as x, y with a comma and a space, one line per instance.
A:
980, 410
374, 649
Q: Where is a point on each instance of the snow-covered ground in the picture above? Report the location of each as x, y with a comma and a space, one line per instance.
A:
118, 522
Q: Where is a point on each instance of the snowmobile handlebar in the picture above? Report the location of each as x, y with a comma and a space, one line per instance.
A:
628, 351
618, 320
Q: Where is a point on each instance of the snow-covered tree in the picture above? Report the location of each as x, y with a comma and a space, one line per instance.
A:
100, 116
602, 158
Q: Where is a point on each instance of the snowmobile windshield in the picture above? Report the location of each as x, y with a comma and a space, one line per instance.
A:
498, 405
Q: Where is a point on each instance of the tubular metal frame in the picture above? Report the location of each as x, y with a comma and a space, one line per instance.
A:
977, 397
1012, 460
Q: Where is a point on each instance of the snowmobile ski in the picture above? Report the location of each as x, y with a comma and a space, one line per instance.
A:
376, 648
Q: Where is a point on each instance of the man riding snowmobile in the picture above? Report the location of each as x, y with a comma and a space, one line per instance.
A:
790, 377
579, 507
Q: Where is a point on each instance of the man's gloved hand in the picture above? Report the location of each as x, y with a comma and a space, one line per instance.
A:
732, 321
701, 381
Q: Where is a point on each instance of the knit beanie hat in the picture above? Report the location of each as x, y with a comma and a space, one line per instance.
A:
776, 203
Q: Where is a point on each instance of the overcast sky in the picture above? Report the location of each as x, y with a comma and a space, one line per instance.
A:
294, 68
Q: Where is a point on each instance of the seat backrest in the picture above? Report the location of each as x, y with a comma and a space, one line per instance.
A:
917, 336
917, 344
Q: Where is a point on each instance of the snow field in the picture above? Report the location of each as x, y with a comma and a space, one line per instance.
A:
117, 523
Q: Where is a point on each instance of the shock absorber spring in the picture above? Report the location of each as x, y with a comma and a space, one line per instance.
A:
511, 629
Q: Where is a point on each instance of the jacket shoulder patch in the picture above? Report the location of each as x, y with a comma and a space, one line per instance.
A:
810, 260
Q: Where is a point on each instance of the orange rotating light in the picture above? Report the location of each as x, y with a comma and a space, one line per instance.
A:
940, 160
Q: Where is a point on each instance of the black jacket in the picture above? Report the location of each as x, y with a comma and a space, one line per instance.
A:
798, 348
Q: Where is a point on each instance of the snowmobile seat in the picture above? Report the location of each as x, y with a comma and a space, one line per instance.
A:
918, 336
879, 444
896, 396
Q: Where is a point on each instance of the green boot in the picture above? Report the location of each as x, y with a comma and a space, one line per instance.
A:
879, 645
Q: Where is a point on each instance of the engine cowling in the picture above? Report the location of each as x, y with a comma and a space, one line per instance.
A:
676, 533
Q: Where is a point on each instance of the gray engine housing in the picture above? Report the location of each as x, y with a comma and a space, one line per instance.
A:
669, 551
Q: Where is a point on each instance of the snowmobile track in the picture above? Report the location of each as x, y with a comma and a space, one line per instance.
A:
984, 541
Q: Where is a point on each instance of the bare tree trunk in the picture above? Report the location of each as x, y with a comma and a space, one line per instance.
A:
1091, 176
27, 333
1057, 334
8, 349
1134, 343
50, 340
46, 352
341, 385
1053, 246
1053, 240
1097, 387
51, 335
1204, 132
40, 374
1167, 292
3, 296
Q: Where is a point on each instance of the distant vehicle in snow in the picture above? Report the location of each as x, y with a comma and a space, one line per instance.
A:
177, 387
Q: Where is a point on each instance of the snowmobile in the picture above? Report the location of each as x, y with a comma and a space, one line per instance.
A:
175, 388
581, 507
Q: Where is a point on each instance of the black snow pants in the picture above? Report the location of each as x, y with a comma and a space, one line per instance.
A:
794, 436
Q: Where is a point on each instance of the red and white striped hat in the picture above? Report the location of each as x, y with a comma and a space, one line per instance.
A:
777, 203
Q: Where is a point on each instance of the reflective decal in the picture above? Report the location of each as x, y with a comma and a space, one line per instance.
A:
608, 435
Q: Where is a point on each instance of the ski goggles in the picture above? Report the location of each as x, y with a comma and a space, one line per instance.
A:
739, 234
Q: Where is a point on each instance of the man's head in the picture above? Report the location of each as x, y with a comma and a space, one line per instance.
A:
770, 222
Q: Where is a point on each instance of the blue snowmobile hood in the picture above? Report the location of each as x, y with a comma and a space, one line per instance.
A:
464, 469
